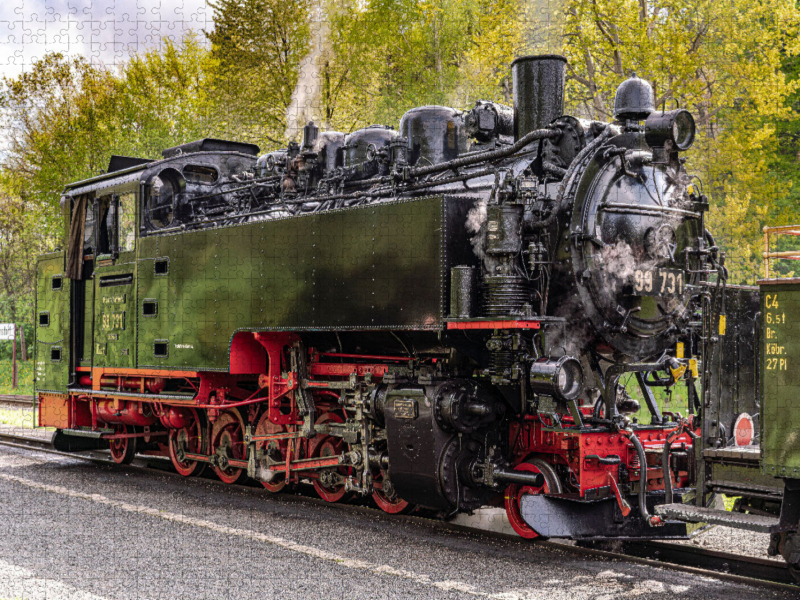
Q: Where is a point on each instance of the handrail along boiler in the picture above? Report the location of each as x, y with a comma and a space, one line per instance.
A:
438, 315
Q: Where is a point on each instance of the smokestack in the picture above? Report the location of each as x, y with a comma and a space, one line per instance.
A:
538, 91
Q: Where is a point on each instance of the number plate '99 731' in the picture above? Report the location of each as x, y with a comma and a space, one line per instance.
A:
658, 282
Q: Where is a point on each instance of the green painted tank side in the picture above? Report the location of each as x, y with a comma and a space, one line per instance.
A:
780, 368
375, 267
87, 339
52, 374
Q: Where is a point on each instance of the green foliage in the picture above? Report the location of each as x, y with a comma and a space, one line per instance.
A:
24, 377
65, 118
399, 54
6, 346
727, 63
256, 48
161, 100
674, 399
59, 121
26, 230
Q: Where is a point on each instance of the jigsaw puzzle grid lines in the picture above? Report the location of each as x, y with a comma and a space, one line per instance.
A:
107, 32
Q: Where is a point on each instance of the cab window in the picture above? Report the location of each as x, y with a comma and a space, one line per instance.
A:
116, 217
165, 188
127, 222
88, 229
101, 218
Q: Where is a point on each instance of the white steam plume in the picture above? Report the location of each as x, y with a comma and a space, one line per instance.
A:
476, 219
305, 104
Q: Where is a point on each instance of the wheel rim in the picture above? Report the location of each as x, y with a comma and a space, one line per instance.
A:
267, 427
389, 503
122, 449
322, 446
228, 434
189, 440
515, 492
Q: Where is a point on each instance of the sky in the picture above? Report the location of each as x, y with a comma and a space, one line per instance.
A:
104, 31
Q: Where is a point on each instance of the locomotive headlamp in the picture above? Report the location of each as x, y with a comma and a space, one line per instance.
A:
561, 378
675, 126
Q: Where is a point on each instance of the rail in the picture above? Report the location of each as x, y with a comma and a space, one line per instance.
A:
778, 255
16, 399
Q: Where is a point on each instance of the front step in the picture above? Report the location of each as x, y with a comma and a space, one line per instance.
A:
689, 513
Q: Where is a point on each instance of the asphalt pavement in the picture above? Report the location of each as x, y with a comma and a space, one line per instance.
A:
75, 530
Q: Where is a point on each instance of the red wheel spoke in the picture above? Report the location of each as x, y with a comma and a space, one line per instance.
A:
227, 442
515, 492
189, 440
278, 450
123, 450
328, 485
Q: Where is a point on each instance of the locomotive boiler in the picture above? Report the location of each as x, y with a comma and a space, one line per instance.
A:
436, 315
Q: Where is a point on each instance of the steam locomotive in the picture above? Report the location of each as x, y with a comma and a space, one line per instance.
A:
437, 315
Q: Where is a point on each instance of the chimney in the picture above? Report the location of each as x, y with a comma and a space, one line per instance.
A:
538, 91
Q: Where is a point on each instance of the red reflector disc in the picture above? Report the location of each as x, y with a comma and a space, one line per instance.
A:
743, 430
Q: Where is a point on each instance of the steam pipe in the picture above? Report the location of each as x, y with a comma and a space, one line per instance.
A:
465, 161
554, 169
642, 478
523, 477
562, 190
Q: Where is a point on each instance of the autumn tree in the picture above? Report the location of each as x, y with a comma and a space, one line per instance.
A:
504, 30
256, 46
58, 126
25, 232
392, 55
63, 120
162, 99
723, 62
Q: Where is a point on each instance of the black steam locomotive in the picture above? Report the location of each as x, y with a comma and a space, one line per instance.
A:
437, 315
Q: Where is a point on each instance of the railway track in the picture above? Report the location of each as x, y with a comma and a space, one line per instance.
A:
16, 399
691, 559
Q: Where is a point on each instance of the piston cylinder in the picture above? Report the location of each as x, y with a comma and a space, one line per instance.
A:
126, 413
176, 418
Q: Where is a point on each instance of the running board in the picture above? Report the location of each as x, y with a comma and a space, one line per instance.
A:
697, 514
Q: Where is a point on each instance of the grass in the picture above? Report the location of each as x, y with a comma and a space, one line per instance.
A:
17, 417
676, 402
24, 377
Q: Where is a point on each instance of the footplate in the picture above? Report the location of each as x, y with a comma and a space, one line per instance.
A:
697, 514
